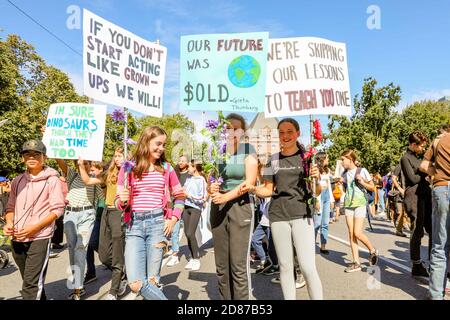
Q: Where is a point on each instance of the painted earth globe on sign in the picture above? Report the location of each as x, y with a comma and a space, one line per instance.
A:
244, 71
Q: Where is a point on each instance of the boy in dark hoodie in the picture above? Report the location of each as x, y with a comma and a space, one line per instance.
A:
35, 202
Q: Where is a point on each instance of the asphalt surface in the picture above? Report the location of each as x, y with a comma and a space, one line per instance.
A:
389, 280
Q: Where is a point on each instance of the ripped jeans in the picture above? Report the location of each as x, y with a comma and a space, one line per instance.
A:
78, 227
144, 243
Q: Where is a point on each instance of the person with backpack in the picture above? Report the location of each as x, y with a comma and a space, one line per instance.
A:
288, 179
79, 220
356, 182
36, 201
417, 201
144, 191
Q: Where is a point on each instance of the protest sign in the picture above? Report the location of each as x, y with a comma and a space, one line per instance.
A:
121, 68
75, 129
307, 76
223, 72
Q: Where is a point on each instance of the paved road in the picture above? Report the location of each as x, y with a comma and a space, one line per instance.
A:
391, 280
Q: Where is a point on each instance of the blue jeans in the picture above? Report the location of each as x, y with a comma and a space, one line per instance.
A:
144, 252
441, 241
78, 228
258, 235
381, 205
176, 236
322, 220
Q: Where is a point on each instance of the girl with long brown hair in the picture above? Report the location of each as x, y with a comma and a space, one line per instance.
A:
144, 193
286, 181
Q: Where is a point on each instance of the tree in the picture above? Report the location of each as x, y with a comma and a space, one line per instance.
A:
372, 131
377, 132
28, 87
425, 116
179, 133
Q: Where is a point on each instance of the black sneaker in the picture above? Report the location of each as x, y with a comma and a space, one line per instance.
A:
419, 271
57, 246
401, 234
271, 270
373, 258
89, 278
263, 266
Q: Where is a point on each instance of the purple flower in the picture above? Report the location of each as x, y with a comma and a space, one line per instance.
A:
223, 147
212, 180
212, 125
130, 141
118, 115
128, 166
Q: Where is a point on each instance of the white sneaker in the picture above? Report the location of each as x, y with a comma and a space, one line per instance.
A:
195, 265
300, 283
189, 264
122, 288
173, 260
110, 297
168, 253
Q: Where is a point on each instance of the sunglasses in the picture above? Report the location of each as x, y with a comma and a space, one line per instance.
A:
32, 154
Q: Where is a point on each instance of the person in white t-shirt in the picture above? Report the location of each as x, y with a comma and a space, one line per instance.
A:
324, 201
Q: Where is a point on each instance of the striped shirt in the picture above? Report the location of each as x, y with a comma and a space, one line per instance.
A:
81, 195
148, 192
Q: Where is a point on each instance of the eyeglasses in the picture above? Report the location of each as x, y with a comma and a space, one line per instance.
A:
33, 154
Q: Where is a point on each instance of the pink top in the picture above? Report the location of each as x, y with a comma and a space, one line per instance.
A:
148, 193
32, 199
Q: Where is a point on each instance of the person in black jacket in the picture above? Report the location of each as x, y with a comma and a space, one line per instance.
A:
417, 200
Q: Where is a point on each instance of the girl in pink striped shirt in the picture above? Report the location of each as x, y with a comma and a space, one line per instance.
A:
144, 193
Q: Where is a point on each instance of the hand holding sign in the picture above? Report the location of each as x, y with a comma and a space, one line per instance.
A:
75, 129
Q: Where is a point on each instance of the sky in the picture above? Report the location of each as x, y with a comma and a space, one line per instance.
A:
410, 48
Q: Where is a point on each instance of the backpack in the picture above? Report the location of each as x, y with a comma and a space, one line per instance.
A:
337, 192
366, 193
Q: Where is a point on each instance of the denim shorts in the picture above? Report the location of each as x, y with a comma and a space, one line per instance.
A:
357, 212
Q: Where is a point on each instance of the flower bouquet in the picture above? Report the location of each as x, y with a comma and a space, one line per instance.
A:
216, 132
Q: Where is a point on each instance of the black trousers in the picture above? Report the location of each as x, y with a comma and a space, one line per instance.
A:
32, 260
232, 228
191, 217
93, 245
418, 206
58, 235
112, 246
